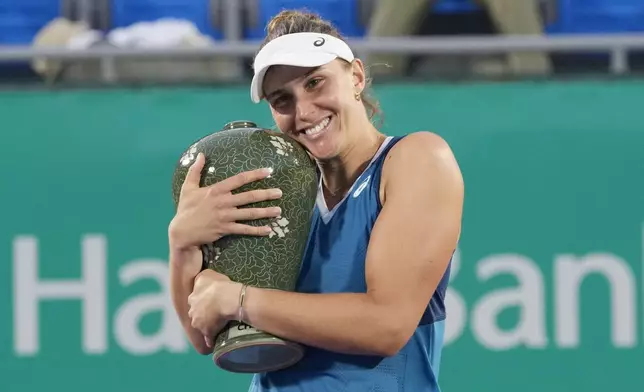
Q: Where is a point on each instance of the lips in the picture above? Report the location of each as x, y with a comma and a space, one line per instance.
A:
317, 129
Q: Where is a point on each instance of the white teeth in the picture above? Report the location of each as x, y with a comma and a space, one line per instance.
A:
318, 128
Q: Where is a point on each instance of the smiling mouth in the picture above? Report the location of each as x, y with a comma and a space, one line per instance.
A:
319, 128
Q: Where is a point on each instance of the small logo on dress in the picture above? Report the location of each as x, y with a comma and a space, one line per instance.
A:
361, 188
319, 42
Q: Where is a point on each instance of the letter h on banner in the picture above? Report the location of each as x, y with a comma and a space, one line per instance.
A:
29, 291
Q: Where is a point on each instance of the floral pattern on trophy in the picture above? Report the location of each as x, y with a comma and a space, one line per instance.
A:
268, 262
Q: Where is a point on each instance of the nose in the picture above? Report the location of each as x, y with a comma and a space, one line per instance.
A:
304, 112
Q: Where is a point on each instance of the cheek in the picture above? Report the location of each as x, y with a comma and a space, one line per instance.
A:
342, 97
284, 122
344, 104
332, 102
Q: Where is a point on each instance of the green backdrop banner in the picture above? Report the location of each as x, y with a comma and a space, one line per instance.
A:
547, 286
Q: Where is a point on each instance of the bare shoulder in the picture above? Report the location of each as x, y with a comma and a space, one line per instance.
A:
421, 145
421, 155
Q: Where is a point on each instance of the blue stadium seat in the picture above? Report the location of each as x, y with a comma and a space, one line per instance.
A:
344, 14
598, 16
20, 20
454, 6
128, 12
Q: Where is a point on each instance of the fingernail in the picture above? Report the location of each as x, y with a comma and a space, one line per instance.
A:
269, 171
276, 210
277, 193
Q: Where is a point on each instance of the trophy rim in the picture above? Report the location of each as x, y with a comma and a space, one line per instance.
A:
295, 347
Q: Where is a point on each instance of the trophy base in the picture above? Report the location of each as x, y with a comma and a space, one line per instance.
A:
240, 348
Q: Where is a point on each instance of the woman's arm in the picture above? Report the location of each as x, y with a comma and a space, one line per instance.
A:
182, 277
409, 250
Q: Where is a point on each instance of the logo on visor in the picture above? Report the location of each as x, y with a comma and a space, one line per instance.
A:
319, 42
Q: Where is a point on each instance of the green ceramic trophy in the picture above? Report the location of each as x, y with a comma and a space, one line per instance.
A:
268, 262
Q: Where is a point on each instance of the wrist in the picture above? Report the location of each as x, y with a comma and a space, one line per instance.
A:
252, 297
236, 309
176, 239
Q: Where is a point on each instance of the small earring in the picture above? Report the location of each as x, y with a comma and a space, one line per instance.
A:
357, 95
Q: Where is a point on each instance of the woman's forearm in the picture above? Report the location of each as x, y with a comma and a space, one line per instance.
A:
181, 285
350, 323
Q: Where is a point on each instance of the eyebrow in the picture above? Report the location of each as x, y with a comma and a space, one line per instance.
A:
279, 90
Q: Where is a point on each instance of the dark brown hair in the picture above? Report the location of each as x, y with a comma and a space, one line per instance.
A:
292, 21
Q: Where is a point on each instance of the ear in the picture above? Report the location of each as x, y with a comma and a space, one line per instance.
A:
359, 75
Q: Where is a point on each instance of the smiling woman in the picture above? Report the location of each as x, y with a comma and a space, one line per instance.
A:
289, 22
324, 68
369, 303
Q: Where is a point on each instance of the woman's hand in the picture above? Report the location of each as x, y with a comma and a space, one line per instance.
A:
205, 214
214, 301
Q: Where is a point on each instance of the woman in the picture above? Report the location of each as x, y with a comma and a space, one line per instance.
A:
369, 303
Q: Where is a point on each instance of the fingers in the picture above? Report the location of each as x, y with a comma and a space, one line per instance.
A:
193, 177
246, 214
242, 229
255, 196
238, 180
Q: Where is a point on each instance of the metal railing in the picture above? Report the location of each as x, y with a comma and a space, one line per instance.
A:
617, 46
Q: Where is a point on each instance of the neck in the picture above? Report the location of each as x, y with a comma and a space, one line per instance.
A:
339, 173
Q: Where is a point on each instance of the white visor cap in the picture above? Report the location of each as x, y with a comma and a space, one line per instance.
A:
298, 50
